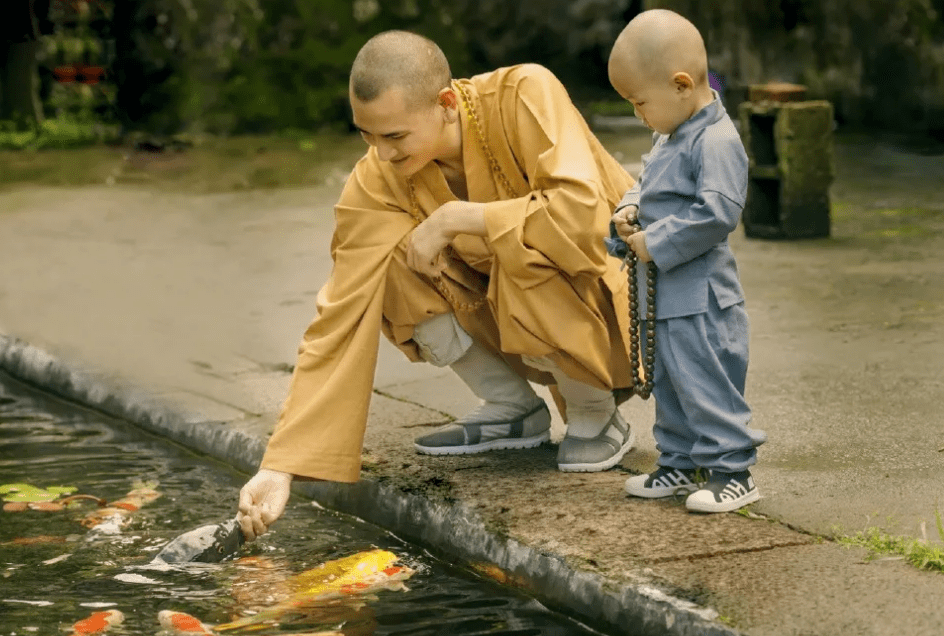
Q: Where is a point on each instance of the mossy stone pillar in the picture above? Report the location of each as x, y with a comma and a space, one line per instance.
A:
789, 143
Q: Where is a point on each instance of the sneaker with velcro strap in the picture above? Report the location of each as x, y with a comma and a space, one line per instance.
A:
602, 452
664, 482
724, 492
468, 436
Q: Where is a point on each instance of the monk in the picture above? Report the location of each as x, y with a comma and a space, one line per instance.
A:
471, 236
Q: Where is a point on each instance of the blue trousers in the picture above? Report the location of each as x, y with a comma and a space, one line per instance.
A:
702, 418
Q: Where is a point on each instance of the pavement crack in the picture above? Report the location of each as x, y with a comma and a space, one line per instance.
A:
211, 398
717, 553
448, 417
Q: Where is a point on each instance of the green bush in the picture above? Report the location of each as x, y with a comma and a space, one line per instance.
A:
247, 66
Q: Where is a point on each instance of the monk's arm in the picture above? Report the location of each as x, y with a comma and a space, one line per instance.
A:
461, 217
437, 231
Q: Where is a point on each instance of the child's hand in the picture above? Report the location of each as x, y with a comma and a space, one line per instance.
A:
637, 243
625, 222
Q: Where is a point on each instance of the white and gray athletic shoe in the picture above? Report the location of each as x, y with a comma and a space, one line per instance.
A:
465, 438
724, 492
663, 482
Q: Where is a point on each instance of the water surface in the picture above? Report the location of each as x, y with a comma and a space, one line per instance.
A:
54, 571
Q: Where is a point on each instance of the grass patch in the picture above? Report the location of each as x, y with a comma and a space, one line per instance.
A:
201, 165
899, 223
918, 552
610, 108
56, 133
901, 231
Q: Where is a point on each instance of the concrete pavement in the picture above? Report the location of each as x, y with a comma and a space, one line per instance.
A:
183, 313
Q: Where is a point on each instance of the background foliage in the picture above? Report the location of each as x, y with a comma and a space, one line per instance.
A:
254, 65
245, 66
880, 62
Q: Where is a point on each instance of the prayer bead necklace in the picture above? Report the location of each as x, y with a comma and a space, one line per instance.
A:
641, 387
492, 161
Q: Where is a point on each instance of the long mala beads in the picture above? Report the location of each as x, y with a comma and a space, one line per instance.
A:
642, 388
492, 161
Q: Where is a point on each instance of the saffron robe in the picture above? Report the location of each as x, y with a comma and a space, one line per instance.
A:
551, 288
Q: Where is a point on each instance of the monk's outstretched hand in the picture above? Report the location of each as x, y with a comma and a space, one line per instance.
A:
262, 500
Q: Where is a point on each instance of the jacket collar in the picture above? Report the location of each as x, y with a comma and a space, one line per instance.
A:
708, 115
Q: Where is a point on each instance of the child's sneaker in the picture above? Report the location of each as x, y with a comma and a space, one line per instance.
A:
724, 492
664, 482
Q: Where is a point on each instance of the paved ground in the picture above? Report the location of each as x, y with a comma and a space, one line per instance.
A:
197, 303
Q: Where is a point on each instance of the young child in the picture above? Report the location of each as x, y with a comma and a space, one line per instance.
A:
687, 200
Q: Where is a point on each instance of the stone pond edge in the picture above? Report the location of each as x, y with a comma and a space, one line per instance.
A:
449, 529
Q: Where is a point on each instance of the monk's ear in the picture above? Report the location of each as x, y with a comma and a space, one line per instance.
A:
449, 101
683, 82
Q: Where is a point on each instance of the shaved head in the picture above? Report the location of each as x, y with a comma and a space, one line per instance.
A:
658, 43
400, 59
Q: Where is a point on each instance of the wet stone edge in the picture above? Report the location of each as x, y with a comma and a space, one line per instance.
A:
640, 609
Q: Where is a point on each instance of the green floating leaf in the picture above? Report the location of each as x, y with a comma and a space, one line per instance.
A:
27, 493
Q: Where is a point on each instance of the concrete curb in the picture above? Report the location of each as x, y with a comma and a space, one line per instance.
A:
449, 529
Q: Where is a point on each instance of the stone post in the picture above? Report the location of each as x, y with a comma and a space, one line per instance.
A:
789, 145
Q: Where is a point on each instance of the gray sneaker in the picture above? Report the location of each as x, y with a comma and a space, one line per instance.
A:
527, 431
580, 455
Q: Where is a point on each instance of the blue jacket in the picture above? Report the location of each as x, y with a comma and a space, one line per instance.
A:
690, 194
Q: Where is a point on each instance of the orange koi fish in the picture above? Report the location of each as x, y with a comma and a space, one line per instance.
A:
98, 623
181, 623
140, 495
359, 573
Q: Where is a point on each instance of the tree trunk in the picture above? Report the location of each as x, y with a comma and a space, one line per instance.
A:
18, 80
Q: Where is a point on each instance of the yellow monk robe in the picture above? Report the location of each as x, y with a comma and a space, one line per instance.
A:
551, 288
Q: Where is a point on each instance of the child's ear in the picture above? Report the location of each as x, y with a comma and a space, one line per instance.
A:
684, 84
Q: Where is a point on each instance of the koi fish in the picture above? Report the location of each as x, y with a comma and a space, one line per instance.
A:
98, 623
40, 539
359, 573
121, 509
181, 623
207, 544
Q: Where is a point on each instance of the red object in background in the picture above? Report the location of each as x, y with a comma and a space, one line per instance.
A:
65, 74
91, 74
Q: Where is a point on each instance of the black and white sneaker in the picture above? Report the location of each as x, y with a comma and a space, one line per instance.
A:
664, 482
724, 492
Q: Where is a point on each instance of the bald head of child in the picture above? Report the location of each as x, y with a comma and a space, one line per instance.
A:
658, 63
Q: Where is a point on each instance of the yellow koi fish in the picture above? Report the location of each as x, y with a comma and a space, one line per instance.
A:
359, 573
98, 623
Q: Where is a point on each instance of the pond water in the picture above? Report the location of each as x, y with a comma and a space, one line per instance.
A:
55, 571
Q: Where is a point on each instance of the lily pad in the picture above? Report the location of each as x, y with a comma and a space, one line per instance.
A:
33, 494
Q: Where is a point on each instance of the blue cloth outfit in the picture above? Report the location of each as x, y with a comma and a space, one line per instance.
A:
690, 195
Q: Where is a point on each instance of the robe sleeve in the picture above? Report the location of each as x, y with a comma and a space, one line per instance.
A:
557, 226
320, 431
